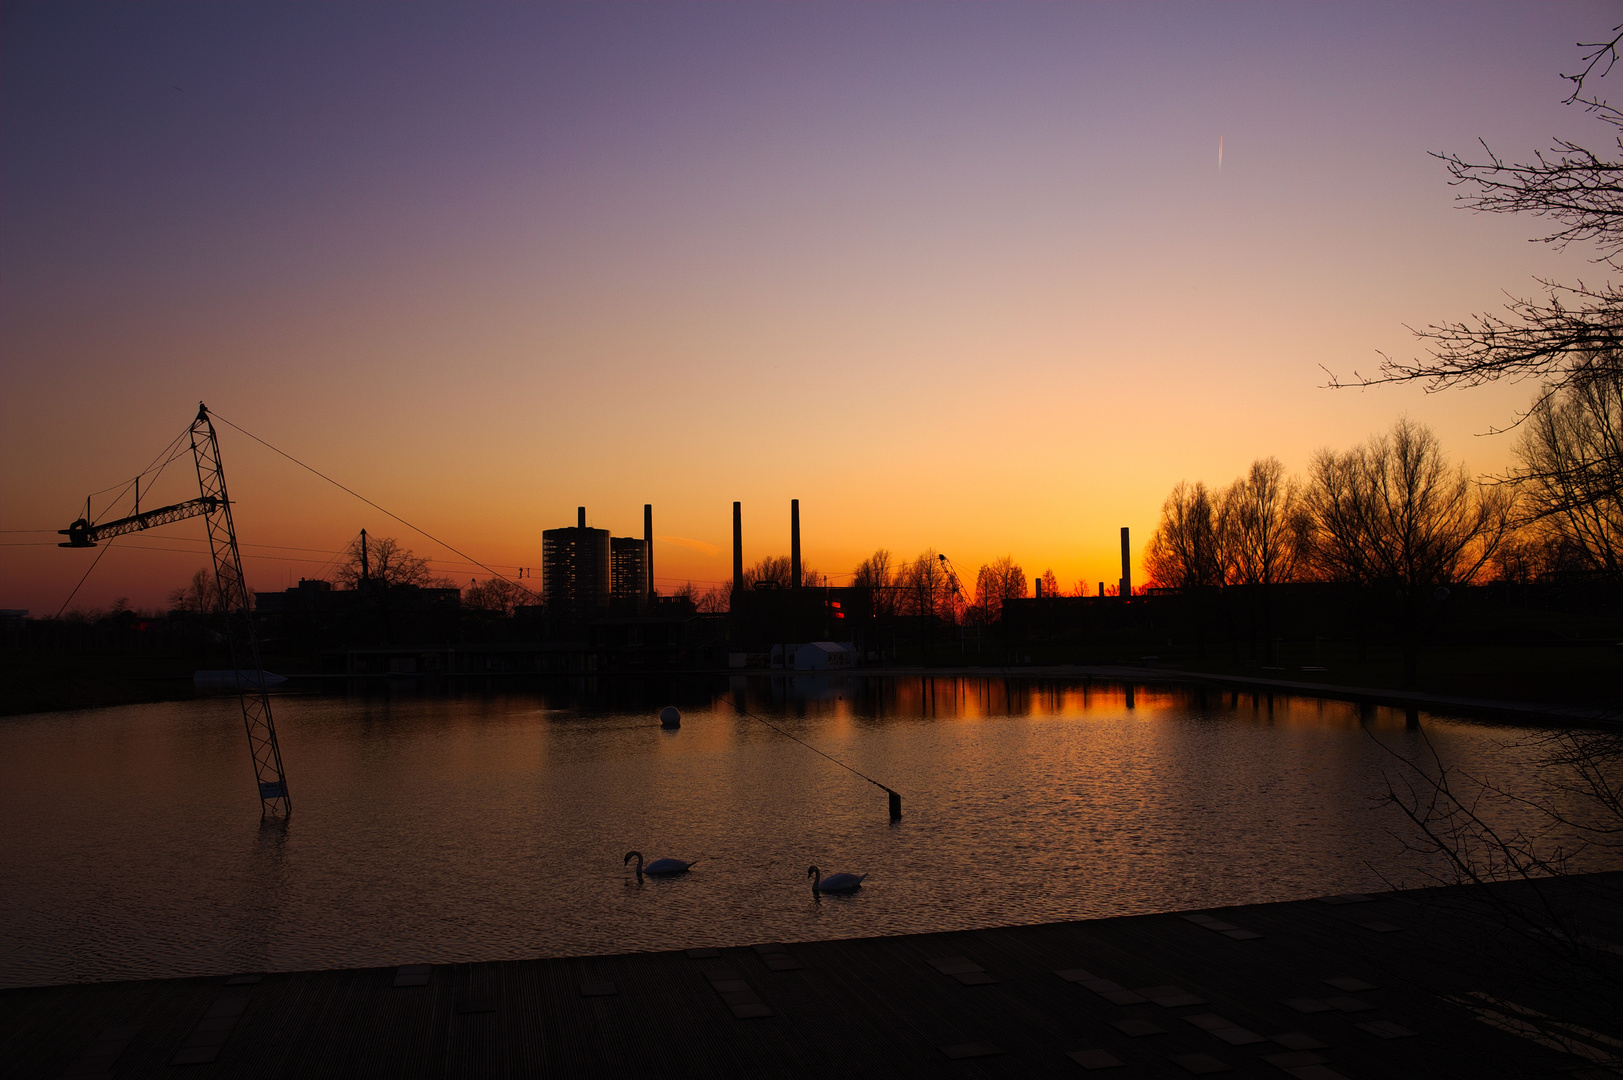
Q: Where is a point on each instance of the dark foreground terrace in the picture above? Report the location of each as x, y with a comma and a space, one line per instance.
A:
1511, 980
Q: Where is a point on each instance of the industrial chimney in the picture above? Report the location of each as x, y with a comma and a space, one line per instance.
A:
580, 517
648, 545
1126, 566
738, 551
794, 542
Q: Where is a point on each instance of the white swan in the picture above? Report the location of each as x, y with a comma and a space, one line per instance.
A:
834, 882
658, 867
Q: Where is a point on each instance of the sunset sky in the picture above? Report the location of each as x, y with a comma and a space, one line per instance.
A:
957, 276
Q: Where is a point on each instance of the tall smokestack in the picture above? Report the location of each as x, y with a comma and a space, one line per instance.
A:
738, 548
580, 517
648, 544
794, 542
1126, 565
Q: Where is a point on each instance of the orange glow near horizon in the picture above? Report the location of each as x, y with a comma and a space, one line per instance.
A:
486, 265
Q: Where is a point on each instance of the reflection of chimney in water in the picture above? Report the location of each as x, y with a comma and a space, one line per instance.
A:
794, 542
648, 544
580, 517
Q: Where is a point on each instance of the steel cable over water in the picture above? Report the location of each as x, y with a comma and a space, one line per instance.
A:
367, 501
895, 799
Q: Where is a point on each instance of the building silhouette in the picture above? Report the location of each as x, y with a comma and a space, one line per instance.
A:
575, 572
587, 574
628, 571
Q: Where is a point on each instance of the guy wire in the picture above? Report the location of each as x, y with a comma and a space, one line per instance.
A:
367, 501
745, 712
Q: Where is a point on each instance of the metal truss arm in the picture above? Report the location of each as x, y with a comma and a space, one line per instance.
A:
83, 533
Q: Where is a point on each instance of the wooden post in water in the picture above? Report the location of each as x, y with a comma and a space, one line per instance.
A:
895, 805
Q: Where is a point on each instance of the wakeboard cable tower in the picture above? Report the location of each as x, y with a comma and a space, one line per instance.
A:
214, 507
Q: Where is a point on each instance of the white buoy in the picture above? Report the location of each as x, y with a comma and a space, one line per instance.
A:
669, 717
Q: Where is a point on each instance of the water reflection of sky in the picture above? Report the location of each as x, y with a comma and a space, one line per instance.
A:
441, 828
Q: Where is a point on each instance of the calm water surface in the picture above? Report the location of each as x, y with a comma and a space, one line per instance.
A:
437, 829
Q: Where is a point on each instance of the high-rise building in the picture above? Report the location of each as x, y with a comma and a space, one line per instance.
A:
575, 571
628, 568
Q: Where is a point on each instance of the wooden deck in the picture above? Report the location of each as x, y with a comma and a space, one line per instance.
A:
1349, 987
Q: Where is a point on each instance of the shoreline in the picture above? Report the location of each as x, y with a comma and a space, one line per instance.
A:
178, 687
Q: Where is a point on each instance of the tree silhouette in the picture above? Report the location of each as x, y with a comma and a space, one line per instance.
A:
1185, 551
1570, 469
1264, 528
387, 562
777, 571
1393, 515
1572, 328
999, 580
497, 596
201, 595
877, 574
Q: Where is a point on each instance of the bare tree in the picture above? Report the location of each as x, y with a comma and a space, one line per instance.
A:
1183, 552
389, 562
1534, 552
1262, 539
1570, 471
1393, 513
999, 580
773, 570
1050, 583
777, 571
1580, 191
1265, 532
1478, 832
201, 595
1337, 501
1187, 552
925, 590
715, 600
497, 596
1428, 526
876, 574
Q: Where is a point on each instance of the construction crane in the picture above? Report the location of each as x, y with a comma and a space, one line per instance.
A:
214, 507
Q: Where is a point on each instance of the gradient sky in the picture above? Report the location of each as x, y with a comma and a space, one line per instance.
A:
955, 276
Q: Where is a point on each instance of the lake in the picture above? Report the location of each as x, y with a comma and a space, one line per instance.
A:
482, 826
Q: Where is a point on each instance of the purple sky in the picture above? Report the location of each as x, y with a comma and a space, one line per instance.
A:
961, 276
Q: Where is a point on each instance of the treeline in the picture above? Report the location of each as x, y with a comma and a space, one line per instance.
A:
1395, 512
1397, 527
926, 585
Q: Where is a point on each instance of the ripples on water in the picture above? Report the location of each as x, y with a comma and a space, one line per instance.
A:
476, 828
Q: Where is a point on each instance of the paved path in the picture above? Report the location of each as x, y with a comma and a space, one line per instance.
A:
1355, 987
